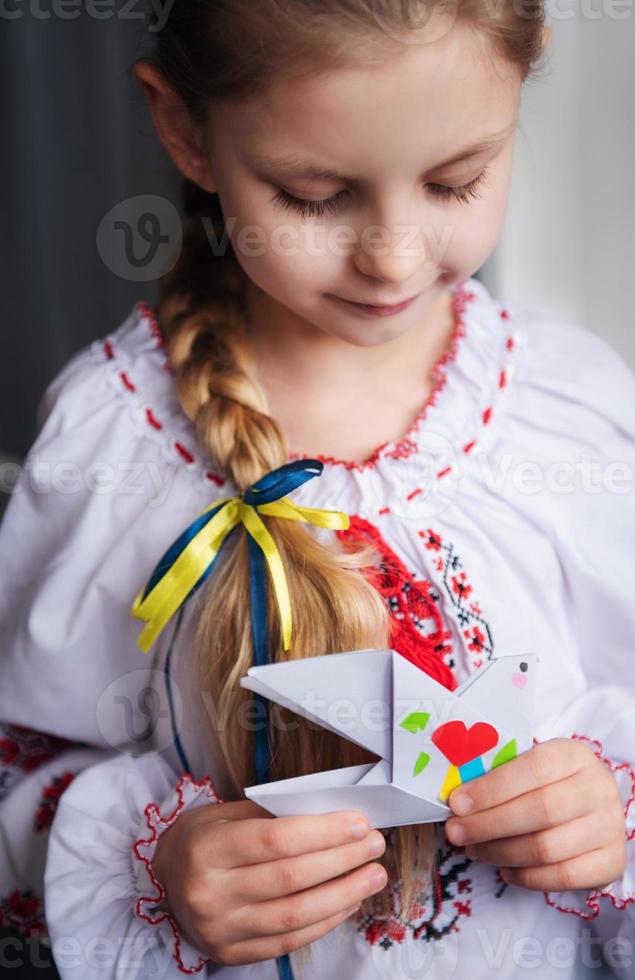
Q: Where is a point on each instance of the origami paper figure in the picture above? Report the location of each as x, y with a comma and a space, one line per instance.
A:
428, 739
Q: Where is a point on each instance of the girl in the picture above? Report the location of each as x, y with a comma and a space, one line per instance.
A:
347, 168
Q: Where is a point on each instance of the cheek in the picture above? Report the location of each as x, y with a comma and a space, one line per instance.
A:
473, 232
478, 234
481, 222
289, 260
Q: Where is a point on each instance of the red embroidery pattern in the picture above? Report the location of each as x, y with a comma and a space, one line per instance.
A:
149, 315
50, 799
25, 749
475, 630
511, 346
418, 631
146, 905
23, 912
434, 915
502, 884
22, 750
592, 899
407, 445
129, 385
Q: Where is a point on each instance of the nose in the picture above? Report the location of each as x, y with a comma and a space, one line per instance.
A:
392, 246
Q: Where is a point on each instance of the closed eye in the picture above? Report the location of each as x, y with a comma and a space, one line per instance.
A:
317, 209
463, 193
308, 209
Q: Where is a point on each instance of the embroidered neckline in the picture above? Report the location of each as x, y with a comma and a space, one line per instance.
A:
186, 449
405, 445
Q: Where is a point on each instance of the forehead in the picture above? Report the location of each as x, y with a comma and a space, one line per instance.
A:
415, 108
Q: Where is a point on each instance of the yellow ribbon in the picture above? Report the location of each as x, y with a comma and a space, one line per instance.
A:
171, 590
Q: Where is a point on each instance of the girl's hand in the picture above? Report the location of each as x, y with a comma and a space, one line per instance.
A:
551, 819
244, 886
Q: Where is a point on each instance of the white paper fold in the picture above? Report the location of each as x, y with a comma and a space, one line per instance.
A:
428, 739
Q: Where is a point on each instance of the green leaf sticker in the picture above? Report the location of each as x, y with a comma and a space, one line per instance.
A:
506, 754
421, 763
416, 721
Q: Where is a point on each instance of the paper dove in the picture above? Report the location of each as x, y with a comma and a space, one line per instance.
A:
428, 739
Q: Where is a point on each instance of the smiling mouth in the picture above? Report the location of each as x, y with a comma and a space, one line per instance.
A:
398, 302
379, 308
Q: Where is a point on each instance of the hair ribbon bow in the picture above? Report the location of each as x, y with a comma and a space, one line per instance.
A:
191, 558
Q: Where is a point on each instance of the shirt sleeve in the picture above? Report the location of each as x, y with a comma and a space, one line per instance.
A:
35, 769
586, 397
64, 852
98, 499
104, 905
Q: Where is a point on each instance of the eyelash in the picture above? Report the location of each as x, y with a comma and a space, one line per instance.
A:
317, 209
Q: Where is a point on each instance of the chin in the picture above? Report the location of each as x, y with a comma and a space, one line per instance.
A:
374, 335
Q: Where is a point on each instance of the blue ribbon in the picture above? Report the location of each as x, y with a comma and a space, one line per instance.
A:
272, 486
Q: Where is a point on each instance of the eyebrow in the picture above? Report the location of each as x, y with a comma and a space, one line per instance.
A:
299, 168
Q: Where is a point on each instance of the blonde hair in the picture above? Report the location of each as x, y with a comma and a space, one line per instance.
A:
224, 50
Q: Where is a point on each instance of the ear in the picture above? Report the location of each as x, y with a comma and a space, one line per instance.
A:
179, 133
547, 35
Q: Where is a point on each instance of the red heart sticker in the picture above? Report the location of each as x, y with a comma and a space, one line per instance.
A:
460, 744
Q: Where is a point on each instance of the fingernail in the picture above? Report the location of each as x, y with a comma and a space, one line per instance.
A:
376, 845
358, 829
377, 879
456, 833
354, 909
462, 803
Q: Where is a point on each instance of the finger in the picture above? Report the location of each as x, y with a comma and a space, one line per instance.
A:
595, 869
549, 806
545, 763
248, 842
545, 847
233, 811
274, 879
304, 909
256, 950
244, 810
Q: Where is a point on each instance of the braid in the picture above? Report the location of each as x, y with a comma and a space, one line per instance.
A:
202, 313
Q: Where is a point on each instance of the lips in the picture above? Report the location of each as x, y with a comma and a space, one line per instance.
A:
377, 310
383, 306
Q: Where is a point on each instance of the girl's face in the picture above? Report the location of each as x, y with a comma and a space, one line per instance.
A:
391, 217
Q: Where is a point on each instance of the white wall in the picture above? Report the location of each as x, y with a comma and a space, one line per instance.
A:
568, 244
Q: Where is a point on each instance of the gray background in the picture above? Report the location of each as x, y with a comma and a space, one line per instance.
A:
568, 244
77, 141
